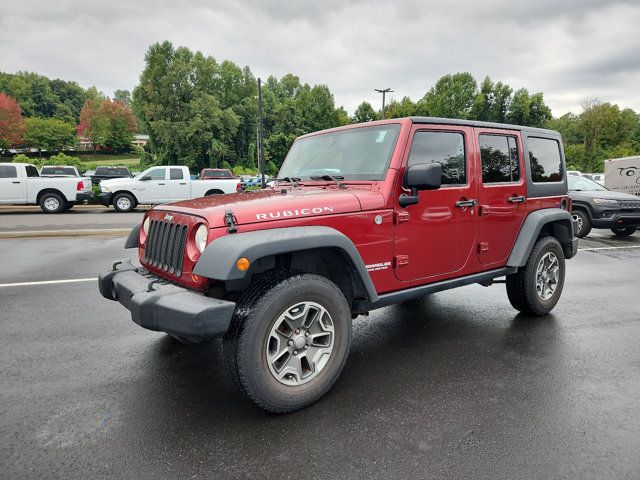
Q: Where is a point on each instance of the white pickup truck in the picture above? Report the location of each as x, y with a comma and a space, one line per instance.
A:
161, 185
21, 184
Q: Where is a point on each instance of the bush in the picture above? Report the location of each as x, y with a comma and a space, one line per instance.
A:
21, 158
62, 159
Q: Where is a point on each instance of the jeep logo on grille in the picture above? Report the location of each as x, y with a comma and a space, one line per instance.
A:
168, 218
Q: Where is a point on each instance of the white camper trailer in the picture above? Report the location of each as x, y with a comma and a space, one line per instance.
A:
623, 175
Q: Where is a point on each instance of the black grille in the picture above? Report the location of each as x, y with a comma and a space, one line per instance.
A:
629, 203
165, 246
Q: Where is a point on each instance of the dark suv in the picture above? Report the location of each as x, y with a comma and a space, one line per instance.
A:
594, 206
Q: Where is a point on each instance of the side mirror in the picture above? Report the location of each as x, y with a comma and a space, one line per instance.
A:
145, 179
421, 176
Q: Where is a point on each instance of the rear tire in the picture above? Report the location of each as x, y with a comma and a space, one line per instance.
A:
52, 203
584, 223
288, 341
624, 231
536, 288
124, 202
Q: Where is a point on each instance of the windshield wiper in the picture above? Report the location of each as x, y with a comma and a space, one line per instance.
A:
293, 180
335, 178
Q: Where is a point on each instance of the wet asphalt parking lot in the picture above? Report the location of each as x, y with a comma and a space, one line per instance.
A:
456, 385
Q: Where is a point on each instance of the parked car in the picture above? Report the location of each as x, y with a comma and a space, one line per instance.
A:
594, 206
59, 171
107, 173
21, 184
404, 208
256, 181
596, 177
160, 185
215, 174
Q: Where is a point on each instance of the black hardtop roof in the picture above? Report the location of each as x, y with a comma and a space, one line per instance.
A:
475, 123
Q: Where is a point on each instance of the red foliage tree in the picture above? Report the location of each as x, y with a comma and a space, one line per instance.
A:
11, 122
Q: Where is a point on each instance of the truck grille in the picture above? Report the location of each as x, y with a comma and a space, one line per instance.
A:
165, 246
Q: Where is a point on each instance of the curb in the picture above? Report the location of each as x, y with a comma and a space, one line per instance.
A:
104, 232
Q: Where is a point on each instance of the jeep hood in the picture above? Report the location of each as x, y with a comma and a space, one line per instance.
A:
271, 204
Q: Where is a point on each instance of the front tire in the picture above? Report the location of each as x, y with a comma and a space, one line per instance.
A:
288, 341
536, 288
624, 231
124, 202
583, 222
52, 203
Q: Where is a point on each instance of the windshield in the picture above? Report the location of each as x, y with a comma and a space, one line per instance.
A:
356, 154
578, 184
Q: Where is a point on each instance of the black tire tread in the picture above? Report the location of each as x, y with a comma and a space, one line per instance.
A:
520, 291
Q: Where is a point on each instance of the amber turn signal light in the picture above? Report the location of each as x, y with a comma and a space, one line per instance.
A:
242, 263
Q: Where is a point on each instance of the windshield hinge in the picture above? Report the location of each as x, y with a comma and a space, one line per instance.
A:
230, 221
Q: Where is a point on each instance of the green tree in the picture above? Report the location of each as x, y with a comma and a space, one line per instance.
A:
401, 109
364, 113
451, 97
123, 96
49, 134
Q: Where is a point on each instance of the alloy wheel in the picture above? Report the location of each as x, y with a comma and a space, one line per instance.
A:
300, 343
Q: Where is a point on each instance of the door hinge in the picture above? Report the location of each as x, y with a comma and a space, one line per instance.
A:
483, 247
402, 260
402, 217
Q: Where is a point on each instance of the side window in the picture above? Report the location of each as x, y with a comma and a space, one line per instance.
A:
175, 174
8, 171
545, 160
31, 171
500, 160
446, 148
156, 174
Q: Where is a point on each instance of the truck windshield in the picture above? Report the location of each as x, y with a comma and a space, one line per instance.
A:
578, 184
356, 154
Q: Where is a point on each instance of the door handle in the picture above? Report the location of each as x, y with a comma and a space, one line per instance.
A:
15, 182
517, 199
182, 183
466, 203
160, 183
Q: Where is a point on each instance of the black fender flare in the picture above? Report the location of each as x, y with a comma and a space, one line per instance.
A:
562, 224
133, 237
218, 261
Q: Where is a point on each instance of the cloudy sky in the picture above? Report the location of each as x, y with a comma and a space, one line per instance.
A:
569, 50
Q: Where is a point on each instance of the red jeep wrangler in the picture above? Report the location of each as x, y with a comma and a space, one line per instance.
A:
361, 217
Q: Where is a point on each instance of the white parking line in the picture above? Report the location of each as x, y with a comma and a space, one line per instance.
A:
593, 249
47, 282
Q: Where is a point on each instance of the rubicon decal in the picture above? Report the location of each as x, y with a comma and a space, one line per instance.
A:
294, 213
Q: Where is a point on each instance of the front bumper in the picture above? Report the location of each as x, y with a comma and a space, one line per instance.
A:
105, 198
615, 219
158, 305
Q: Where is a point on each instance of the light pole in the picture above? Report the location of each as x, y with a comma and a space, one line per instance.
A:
260, 136
383, 92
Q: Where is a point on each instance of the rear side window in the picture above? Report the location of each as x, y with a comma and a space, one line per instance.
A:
445, 148
176, 174
31, 171
8, 171
545, 160
500, 159
102, 171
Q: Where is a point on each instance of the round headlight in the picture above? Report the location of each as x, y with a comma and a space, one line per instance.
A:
145, 226
201, 237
